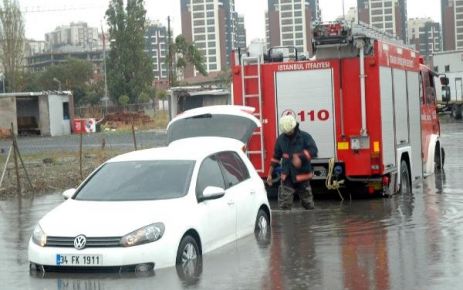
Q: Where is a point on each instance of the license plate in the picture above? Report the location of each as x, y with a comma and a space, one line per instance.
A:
78, 260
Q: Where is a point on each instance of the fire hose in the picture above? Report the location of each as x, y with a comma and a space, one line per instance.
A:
330, 183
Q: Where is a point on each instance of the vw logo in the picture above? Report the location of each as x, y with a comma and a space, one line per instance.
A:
79, 242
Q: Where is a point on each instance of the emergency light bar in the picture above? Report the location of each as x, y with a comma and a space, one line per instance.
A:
331, 33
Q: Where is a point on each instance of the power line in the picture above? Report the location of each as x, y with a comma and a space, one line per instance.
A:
38, 9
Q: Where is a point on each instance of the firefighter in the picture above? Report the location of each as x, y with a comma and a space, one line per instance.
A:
293, 151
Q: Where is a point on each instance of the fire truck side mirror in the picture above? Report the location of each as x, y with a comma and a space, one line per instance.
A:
445, 93
444, 81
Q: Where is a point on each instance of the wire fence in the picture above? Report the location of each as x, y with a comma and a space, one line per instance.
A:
99, 111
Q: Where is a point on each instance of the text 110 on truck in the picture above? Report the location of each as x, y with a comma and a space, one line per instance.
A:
368, 101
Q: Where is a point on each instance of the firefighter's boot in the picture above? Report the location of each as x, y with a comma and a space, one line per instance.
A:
306, 197
285, 197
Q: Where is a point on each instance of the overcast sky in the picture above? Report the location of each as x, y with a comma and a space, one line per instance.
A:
43, 16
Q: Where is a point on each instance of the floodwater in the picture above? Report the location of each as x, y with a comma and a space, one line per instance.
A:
404, 242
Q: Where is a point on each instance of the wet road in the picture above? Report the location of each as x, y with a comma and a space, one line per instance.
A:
405, 242
112, 140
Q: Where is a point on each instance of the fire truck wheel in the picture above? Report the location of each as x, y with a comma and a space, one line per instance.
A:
456, 111
405, 184
439, 159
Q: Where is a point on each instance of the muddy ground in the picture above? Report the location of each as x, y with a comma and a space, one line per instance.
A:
51, 171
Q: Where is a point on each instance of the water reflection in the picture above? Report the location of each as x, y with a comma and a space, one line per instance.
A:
404, 242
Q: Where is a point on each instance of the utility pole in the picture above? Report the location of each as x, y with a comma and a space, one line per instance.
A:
343, 11
105, 97
169, 39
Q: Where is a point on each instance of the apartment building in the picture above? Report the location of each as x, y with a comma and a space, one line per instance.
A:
75, 36
211, 25
387, 15
452, 24
289, 23
157, 50
425, 35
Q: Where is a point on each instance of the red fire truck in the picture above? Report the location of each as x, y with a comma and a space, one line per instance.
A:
368, 101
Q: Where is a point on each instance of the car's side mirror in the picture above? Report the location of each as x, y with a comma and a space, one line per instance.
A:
445, 93
67, 194
213, 192
444, 81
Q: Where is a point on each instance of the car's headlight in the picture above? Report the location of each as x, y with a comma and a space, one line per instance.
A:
39, 237
144, 235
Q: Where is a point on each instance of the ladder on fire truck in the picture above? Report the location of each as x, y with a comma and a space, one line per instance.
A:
255, 78
343, 33
363, 29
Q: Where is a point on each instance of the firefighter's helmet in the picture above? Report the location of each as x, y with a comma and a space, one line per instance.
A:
287, 124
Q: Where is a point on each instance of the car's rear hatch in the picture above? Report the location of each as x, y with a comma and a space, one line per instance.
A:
235, 122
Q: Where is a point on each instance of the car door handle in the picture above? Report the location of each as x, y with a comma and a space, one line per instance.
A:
230, 202
252, 192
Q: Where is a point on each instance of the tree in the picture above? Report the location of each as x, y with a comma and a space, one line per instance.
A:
187, 53
129, 68
12, 42
123, 100
74, 75
162, 95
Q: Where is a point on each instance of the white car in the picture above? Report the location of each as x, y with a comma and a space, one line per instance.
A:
159, 207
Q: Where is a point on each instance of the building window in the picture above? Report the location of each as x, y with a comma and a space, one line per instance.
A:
198, 8
199, 37
287, 36
198, 15
447, 68
286, 14
200, 30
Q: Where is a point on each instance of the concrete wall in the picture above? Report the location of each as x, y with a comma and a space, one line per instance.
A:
44, 120
454, 61
58, 124
215, 100
8, 113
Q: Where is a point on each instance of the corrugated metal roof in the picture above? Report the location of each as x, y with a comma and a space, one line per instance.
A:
34, 94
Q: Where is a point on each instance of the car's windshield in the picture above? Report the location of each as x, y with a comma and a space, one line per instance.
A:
138, 180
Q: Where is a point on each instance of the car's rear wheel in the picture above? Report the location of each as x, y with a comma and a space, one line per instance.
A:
262, 227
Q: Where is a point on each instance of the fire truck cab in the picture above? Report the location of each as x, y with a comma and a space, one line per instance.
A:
367, 100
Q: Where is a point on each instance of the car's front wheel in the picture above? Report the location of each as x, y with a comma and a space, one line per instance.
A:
189, 260
188, 250
262, 227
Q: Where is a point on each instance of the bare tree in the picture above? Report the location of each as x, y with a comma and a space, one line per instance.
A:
12, 42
